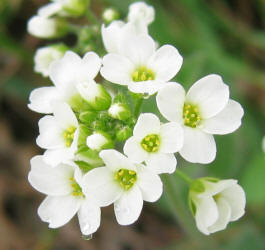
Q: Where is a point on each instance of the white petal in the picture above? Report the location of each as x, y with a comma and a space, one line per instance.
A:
210, 94
170, 101
161, 163
50, 133
40, 99
54, 157
100, 184
138, 49
58, 210
206, 213
172, 137
213, 188
226, 121
89, 217
129, 206
90, 66
117, 69
132, 148
236, 198
115, 160
63, 72
224, 215
146, 87
64, 115
166, 62
48, 180
146, 124
198, 147
150, 184
50, 9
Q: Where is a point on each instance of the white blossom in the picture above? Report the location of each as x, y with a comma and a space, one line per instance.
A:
98, 141
141, 15
63, 186
46, 55
123, 183
215, 203
73, 77
205, 110
155, 143
58, 134
43, 27
140, 66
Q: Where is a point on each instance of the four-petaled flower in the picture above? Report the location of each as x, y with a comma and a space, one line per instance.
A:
155, 143
123, 183
63, 186
205, 110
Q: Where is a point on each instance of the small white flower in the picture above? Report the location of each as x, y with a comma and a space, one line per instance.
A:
63, 187
140, 66
66, 74
154, 143
46, 55
205, 110
141, 14
97, 141
114, 34
44, 27
58, 134
215, 203
123, 183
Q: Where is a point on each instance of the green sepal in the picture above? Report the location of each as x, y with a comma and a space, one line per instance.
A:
89, 156
84, 166
123, 133
88, 117
84, 132
78, 104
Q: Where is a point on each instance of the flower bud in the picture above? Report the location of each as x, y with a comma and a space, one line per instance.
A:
74, 7
99, 140
110, 15
43, 27
214, 203
123, 133
46, 55
88, 117
95, 95
119, 111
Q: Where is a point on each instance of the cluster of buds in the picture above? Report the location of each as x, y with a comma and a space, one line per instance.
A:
99, 148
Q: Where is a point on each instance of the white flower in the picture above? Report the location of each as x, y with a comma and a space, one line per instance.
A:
98, 140
215, 203
58, 134
46, 55
70, 75
205, 110
63, 187
154, 143
140, 66
114, 34
50, 9
44, 27
123, 183
141, 14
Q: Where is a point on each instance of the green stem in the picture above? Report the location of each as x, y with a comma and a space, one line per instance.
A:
138, 106
92, 17
183, 176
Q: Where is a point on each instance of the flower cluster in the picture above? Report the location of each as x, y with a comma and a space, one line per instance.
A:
99, 148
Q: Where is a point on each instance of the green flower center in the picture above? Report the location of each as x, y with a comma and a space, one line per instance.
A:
151, 143
68, 136
126, 178
77, 191
191, 115
142, 74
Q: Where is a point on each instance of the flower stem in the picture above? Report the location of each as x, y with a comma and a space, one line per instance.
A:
183, 176
138, 106
92, 17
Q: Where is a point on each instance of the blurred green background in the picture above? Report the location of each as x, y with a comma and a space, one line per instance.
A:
214, 36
